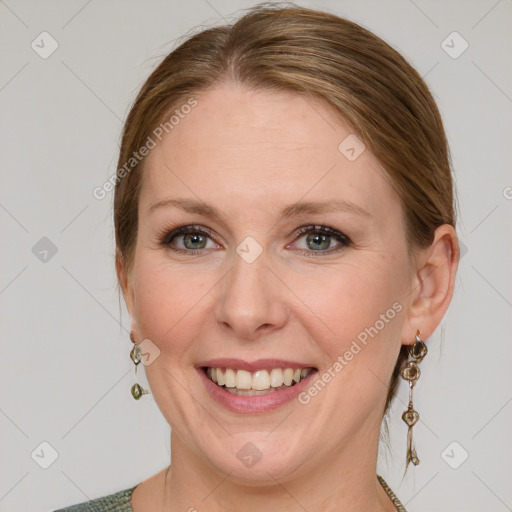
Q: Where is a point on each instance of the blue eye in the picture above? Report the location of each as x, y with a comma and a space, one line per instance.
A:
194, 239
319, 239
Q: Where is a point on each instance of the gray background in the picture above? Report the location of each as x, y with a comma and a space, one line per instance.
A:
66, 371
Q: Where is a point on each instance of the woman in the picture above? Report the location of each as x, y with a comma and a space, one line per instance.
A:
286, 245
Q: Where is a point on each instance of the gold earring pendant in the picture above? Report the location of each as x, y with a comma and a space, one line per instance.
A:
411, 373
136, 356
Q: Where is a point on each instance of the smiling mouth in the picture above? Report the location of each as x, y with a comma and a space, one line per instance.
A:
260, 382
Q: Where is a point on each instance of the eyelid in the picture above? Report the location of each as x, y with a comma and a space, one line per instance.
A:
315, 228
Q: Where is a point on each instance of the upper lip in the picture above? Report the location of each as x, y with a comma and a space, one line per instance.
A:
252, 366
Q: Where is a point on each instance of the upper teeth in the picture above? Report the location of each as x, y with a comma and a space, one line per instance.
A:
258, 380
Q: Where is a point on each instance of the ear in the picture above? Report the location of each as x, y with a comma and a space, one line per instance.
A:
125, 281
432, 285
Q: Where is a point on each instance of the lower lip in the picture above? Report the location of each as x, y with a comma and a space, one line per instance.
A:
258, 403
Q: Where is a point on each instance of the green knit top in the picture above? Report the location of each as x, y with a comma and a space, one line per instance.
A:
120, 502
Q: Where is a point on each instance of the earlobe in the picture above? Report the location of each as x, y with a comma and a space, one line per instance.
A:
434, 281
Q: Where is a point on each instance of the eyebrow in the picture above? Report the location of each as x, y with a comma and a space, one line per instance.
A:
293, 210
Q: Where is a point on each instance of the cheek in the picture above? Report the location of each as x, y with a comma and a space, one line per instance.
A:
174, 306
356, 323
169, 302
346, 300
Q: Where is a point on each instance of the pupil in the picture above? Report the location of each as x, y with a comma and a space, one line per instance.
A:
194, 239
318, 239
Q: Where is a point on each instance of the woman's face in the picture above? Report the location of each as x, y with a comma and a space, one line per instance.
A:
244, 289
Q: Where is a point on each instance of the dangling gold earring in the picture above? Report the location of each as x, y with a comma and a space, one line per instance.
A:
411, 373
136, 357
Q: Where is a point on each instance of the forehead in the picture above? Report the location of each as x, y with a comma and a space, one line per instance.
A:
264, 148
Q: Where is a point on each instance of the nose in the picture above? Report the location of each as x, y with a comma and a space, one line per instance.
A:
251, 302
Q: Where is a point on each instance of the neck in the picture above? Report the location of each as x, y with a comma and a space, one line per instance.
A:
346, 482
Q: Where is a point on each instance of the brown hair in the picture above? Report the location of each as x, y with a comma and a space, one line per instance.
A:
314, 53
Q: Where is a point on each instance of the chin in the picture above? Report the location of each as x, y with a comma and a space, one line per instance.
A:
255, 459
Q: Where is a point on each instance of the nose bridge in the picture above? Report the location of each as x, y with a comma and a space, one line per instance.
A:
250, 303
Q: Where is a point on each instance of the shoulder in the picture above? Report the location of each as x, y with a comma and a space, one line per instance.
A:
117, 502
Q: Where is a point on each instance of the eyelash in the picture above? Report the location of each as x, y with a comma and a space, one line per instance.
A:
344, 240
